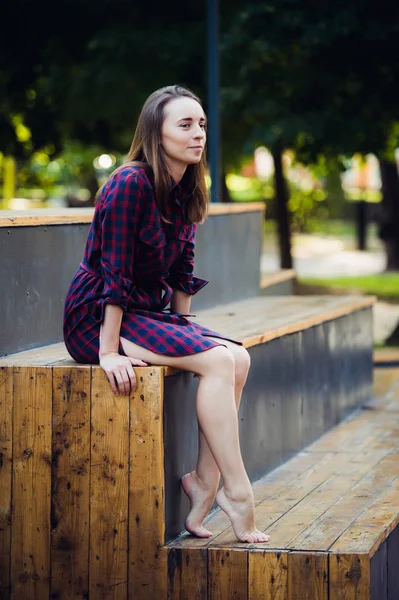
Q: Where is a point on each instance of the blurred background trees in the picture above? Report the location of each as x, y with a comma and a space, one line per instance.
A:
317, 80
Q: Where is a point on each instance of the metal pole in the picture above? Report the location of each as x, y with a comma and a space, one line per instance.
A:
213, 98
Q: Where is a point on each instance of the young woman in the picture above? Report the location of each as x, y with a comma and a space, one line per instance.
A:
139, 257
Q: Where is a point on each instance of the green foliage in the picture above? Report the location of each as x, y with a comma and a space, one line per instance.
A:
85, 77
69, 172
384, 285
321, 77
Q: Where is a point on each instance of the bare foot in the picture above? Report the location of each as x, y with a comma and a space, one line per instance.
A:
201, 500
241, 514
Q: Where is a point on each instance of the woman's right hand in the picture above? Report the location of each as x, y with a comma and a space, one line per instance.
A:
120, 373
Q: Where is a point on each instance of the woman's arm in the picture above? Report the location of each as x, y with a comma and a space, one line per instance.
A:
181, 278
119, 221
180, 302
110, 330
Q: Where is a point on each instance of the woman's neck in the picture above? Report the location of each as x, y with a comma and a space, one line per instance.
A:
176, 170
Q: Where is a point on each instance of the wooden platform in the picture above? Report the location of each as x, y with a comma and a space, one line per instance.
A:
279, 283
332, 513
386, 357
59, 216
83, 495
252, 321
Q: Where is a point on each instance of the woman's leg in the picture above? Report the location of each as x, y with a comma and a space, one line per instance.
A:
202, 484
217, 415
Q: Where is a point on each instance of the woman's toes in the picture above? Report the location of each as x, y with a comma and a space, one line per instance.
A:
200, 531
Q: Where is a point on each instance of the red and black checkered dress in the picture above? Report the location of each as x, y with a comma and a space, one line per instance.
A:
134, 259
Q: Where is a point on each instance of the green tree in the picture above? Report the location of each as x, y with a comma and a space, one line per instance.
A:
317, 77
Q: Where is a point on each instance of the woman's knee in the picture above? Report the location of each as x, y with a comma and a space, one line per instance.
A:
219, 361
242, 365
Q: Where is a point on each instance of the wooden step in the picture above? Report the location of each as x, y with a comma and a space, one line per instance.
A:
332, 513
86, 494
253, 322
386, 357
277, 284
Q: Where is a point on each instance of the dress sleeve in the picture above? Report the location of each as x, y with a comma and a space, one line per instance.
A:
119, 222
181, 273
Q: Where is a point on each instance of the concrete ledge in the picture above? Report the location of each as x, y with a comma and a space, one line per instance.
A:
37, 264
62, 216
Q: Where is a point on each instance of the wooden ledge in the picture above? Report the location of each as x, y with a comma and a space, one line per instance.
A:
64, 216
386, 355
329, 512
254, 321
269, 279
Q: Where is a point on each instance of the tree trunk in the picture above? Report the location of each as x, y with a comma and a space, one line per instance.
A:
389, 213
224, 190
282, 212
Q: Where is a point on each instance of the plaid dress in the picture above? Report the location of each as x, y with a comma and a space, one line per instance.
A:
135, 260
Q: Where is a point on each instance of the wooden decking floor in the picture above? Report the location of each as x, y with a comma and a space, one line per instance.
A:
328, 512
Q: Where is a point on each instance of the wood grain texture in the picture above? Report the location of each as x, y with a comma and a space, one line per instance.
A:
278, 277
281, 514
70, 484
187, 574
30, 549
62, 216
267, 575
109, 484
352, 504
228, 574
349, 577
382, 355
307, 576
315, 520
384, 380
254, 321
288, 480
147, 558
6, 407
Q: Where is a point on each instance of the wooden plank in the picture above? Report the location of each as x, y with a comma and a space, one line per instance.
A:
71, 483
277, 277
147, 558
37, 357
358, 432
30, 547
6, 406
63, 216
307, 576
290, 316
228, 574
281, 514
292, 472
109, 483
316, 523
45, 216
349, 577
187, 574
384, 380
267, 575
254, 321
370, 529
382, 355
324, 514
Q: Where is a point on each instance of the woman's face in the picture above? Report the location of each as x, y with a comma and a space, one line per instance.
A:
183, 131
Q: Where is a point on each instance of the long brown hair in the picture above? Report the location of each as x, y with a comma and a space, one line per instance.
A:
146, 151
